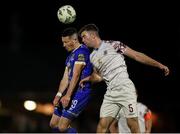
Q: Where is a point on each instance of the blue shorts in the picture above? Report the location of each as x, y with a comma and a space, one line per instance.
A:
79, 101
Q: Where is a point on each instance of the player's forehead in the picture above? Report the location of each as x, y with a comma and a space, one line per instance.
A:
65, 39
84, 34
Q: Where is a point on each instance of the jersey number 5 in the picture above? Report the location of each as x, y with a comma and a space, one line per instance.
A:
130, 108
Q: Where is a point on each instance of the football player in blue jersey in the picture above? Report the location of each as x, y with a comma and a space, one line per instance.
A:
71, 99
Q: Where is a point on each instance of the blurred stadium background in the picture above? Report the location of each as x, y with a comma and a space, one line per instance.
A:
32, 59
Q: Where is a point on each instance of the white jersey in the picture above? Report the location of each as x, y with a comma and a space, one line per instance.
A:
108, 60
142, 111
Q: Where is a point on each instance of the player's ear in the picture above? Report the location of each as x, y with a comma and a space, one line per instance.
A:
92, 35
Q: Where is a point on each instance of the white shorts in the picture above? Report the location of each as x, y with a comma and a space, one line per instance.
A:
122, 97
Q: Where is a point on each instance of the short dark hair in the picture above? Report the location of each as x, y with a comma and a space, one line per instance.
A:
69, 32
89, 27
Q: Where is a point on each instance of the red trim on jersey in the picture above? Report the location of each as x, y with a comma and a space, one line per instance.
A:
148, 115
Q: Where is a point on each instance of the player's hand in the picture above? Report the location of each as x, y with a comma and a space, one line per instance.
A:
56, 100
81, 83
165, 69
65, 100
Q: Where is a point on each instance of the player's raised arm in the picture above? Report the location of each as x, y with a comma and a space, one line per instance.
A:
75, 78
143, 58
62, 86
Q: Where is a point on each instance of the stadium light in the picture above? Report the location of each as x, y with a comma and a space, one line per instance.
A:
30, 105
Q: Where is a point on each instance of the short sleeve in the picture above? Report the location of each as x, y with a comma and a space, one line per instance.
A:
118, 46
80, 57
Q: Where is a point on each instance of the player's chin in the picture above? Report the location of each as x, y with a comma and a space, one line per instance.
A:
68, 49
88, 45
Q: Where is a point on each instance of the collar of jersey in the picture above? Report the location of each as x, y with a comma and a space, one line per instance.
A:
77, 48
99, 46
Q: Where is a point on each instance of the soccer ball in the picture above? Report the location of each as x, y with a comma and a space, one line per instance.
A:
66, 14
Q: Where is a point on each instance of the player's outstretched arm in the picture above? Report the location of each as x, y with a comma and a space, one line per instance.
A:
75, 78
143, 58
62, 86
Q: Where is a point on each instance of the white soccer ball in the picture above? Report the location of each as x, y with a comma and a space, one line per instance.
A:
66, 14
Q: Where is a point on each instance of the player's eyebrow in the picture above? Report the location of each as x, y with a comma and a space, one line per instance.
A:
83, 34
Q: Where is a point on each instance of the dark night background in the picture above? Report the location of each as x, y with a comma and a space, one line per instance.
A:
32, 57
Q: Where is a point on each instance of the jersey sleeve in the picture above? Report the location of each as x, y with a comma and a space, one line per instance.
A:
80, 57
118, 46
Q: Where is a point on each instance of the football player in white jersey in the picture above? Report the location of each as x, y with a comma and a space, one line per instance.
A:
109, 65
144, 119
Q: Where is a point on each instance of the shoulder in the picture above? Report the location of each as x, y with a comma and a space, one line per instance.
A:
118, 46
111, 42
83, 49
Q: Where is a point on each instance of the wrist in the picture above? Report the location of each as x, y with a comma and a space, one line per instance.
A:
68, 94
160, 65
59, 94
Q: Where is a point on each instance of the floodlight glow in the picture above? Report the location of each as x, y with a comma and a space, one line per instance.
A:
30, 105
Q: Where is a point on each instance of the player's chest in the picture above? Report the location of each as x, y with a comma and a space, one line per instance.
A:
99, 57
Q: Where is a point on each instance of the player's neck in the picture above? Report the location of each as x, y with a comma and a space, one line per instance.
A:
98, 43
76, 46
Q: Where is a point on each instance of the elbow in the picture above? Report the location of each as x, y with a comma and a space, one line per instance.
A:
99, 79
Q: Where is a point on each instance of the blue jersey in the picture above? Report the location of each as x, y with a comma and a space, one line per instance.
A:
81, 96
79, 56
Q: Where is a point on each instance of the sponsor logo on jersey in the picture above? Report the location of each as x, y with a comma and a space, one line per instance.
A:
81, 57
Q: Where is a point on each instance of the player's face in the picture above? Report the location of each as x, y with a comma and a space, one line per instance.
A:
87, 38
68, 43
